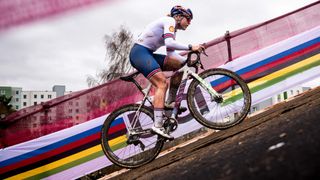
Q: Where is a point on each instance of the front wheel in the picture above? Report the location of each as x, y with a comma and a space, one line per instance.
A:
126, 138
227, 110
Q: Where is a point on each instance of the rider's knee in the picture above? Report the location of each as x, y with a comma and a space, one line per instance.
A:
163, 84
159, 81
173, 63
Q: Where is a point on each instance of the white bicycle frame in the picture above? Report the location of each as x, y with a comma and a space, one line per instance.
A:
186, 73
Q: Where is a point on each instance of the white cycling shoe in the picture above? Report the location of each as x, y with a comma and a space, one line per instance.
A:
161, 131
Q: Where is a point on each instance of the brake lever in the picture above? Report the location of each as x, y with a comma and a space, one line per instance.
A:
201, 65
204, 52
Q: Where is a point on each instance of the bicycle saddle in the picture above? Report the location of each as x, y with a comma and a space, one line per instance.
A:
129, 77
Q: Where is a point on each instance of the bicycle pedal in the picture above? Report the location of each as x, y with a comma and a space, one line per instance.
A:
169, 139
168, 108
182, 109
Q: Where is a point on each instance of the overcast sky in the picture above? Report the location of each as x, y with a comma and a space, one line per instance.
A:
64, 49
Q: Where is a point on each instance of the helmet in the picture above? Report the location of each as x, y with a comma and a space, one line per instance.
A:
179, 10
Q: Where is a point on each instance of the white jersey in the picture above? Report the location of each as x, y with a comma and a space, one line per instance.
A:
159, 33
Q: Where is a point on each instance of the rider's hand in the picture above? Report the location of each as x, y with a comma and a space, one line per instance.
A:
198, 48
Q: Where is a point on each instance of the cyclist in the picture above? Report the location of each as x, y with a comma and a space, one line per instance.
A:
162, 32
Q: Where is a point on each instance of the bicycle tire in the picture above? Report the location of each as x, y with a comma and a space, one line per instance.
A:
113, 149
235, 94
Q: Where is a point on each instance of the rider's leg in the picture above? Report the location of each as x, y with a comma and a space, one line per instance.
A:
158, 80
172, 64
150, 66
174, 86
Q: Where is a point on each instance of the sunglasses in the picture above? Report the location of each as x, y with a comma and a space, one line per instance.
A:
188, 19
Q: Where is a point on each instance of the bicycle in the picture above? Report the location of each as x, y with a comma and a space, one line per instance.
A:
126, 136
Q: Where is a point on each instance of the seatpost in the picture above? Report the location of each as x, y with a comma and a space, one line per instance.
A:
141, 90
138, 85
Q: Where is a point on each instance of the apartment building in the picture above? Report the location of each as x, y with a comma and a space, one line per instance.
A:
279, 98
15, 92
22, 99
31, 98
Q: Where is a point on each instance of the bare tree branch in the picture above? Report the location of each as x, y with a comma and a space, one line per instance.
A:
118, 47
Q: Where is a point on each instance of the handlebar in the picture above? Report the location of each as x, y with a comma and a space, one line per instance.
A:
196, 63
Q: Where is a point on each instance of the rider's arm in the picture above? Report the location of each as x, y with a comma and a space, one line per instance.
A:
173, 44
169, 37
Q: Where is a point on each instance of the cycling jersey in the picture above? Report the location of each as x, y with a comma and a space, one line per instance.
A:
159, 33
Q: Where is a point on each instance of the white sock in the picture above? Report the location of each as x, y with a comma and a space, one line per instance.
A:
158, 117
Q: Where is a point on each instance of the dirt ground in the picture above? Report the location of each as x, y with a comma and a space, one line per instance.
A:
283, 142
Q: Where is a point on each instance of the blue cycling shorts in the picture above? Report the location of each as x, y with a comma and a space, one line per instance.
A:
145, 61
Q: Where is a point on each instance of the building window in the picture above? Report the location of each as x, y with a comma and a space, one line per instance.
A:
291, 92
42, 96
279, 97
254, 109
17, 92
24, 103
298, 92
17, 107
49, 96
2, 92
35, 96
34, 103
24, 96
17, 99
285, 95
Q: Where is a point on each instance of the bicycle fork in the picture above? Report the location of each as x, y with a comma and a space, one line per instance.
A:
215, 96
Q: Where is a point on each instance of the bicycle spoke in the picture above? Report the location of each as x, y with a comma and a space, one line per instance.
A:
230, 108
135, 146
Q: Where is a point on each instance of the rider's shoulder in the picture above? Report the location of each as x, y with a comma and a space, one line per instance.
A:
167, 19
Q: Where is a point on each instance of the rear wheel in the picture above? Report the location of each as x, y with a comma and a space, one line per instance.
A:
130, 144
221, 112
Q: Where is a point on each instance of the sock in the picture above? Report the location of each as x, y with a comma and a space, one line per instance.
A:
158, 117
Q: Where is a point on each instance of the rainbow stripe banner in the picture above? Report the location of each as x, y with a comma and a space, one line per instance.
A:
75, 152
281, 66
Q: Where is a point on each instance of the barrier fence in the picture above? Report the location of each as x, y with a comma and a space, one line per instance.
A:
60, 138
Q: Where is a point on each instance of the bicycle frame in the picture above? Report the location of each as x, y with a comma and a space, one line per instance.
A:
217, 98
187, 72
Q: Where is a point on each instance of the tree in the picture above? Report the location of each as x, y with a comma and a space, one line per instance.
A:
5, 106
118, 48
